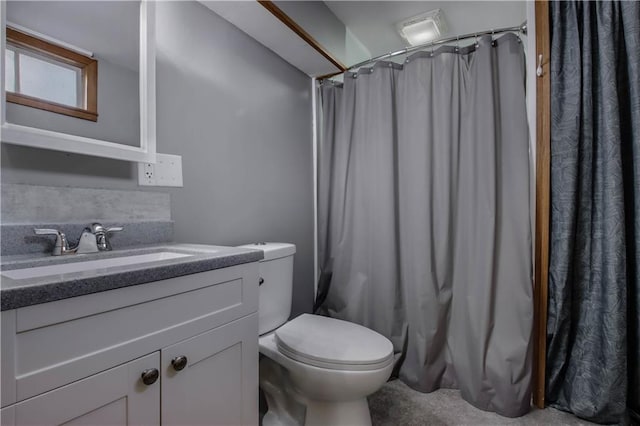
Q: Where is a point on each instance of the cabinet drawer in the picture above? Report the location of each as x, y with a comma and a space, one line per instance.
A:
54, 346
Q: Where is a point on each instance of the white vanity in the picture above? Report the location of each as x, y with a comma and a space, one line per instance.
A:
181, 350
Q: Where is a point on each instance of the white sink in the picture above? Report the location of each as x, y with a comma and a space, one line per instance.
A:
89, 265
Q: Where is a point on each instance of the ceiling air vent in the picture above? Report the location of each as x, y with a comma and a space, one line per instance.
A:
423, 28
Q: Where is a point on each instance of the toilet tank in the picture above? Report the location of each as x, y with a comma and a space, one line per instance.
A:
276, 284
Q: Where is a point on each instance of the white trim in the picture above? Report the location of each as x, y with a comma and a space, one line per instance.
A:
49, 39
531, 82
148, 79
314, 123
39, 138
3, 45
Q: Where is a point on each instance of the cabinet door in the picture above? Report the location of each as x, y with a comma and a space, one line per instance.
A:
8, 416
114, 397
218, 385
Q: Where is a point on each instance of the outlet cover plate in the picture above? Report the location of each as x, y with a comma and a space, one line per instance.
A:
166, 171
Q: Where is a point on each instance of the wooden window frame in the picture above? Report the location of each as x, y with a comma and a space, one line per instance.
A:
87, 65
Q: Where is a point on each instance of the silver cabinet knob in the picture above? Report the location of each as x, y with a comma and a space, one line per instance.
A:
150, 376
179, 362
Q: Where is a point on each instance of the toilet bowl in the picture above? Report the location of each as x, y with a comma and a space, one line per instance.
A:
315, 370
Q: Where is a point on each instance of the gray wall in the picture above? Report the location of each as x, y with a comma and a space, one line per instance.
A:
240, 117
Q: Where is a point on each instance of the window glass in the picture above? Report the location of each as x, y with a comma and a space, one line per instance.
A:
46, 76
46, 80
9, 75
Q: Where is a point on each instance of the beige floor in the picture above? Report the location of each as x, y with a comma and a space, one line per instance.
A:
398, 405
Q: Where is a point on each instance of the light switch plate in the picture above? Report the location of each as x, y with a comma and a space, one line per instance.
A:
166, 171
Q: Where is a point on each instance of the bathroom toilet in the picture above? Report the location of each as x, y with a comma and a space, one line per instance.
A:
314, 368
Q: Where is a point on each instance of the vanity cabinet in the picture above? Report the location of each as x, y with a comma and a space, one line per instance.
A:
81, 360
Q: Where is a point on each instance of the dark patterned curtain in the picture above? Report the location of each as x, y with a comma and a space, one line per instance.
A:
593, 354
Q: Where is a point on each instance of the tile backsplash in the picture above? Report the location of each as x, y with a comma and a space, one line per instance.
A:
22, 204
145, 216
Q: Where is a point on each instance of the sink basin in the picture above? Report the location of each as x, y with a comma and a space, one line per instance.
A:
89, 265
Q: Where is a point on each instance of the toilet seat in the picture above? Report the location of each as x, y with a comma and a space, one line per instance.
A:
333, 344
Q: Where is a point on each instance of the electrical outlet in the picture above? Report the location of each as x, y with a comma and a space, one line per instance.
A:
146, 174
167, 171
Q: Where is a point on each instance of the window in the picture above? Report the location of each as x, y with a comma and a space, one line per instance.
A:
43, 75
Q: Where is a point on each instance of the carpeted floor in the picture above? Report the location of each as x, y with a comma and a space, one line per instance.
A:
398, 405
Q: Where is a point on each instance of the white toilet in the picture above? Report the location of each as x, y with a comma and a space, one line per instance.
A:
315, 368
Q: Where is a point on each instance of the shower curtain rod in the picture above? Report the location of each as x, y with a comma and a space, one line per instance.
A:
522, 28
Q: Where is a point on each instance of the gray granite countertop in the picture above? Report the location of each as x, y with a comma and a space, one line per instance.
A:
17, 293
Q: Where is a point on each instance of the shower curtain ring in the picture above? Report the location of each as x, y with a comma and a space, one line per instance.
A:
457, 44
518, 35
493, 41
431, 52
522, 31
477, 44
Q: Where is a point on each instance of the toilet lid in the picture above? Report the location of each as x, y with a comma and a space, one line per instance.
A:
332, 343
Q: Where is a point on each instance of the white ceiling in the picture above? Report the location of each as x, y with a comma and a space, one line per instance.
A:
373, 22
109, 29
257, 22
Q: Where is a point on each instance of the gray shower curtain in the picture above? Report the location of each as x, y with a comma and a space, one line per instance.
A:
424, 217
593, 331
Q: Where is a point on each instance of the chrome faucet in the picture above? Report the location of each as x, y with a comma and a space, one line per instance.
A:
91, 240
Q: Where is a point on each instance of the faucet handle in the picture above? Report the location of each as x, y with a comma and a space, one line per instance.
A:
62, 245
101, 235
46, 231
97, 228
